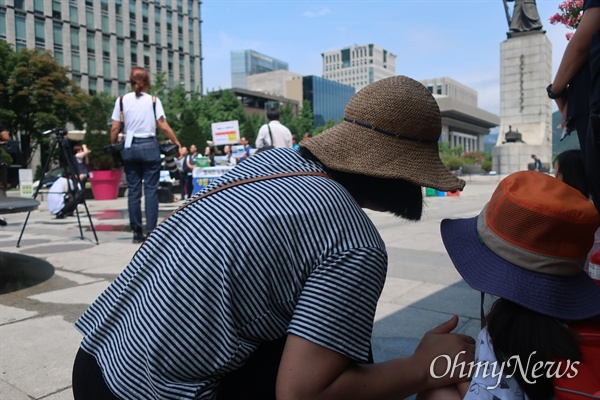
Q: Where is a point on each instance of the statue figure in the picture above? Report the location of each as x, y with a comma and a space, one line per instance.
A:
525, 16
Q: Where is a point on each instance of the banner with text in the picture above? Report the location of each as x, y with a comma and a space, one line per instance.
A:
225, 133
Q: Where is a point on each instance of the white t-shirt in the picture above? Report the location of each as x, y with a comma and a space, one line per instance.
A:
56, 195
138, 115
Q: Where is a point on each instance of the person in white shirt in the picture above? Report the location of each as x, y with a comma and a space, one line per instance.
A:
142, 114
273, 133
60, 202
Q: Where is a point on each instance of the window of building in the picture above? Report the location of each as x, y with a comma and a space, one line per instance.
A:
439, 88
91, 44
106, 69
119, 26
181, 68
19, 4
146, 56
189, 10
145, 13
73, 13
119, 7
58, 56
168, 4
169, 22
56, 9
157, 17
145, 34
121, 87
91, 66
107, 86
74, 39
106, 47
38, 6
120, 50
75, 62
180, 25
92, 86
89, 16
132, 32
39, 33
104, 21
2, 25
158, 61
132, 11
134, 59
121, 71
180, 6
57, 35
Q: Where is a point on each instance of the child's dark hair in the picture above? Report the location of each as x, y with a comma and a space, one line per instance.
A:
397, 196
518, 331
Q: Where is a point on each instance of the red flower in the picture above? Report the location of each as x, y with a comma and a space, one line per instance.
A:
569, 15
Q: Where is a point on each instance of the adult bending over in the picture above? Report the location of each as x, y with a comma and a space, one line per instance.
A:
284, 306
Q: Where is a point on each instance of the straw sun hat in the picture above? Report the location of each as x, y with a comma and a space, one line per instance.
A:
529, 246
390, 130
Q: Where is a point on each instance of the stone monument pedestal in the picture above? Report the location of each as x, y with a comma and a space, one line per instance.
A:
525, 71
512, 157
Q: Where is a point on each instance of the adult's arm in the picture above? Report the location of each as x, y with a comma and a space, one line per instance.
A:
189, 165
310, 371
114, 131
576, 53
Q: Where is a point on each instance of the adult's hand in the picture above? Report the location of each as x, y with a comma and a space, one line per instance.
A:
442, 354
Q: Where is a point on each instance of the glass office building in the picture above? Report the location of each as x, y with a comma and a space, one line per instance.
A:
328, 99
100, 41
250, 62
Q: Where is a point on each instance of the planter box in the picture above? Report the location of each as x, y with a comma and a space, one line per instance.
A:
105, 184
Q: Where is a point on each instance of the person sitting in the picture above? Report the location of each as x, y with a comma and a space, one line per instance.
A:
62, 198
528, 247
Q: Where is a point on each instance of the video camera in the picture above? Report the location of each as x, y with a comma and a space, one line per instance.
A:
57, 131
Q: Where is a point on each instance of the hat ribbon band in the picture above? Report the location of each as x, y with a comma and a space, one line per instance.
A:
524, 258
396, 135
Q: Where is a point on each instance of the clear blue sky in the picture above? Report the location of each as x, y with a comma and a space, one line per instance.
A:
432, 38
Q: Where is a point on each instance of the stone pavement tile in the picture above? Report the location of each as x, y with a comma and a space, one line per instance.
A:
82, 294
457, 299
421, 265
395, 287
38, 355
66, 394
8, 392
398, 321
76, 278
13, 314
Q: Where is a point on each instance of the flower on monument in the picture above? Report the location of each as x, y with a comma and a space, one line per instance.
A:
569, 15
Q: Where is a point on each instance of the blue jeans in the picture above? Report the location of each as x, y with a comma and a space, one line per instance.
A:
142, 162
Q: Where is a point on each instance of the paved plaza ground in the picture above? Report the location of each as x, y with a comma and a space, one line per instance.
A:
38, 341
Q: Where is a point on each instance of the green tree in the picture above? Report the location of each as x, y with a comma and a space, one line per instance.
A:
249, 129
190, 131
97, 133
38, 95
305, 120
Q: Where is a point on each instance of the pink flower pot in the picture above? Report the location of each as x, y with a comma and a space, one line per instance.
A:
105, 184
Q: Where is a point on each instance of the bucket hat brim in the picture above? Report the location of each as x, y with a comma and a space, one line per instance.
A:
575, 297
351, 148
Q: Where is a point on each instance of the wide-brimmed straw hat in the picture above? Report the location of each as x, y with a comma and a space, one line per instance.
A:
390, 130
529, 245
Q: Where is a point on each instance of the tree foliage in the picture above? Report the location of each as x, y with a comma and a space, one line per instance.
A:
97, 133
37, 95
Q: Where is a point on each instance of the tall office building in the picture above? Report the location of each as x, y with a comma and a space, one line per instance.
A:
100, 41
358, 66
250, 62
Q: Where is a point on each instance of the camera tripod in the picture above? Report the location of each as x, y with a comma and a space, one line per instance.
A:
71, 174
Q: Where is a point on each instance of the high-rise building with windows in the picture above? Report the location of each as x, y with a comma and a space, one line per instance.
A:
100, 41
250, 62
358, 66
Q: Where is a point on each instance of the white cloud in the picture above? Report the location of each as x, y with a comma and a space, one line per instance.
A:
320, 13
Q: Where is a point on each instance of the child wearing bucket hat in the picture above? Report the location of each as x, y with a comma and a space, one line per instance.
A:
528, 246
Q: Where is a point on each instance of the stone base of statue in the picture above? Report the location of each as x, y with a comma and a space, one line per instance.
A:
512, 157
525, 71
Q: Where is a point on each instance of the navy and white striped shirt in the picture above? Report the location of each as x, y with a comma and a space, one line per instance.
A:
190, 308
